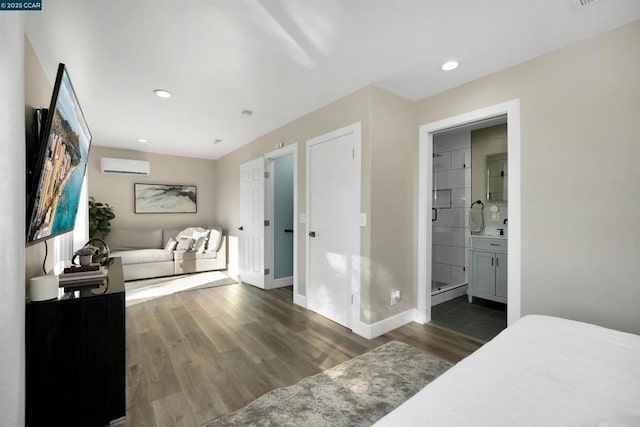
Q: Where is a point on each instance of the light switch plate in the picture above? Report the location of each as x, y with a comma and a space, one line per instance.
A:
303, 218
363, 219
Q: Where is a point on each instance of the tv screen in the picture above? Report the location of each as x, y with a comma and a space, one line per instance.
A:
60, 168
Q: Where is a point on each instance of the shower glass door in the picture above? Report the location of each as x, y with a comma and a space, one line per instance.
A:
451, 195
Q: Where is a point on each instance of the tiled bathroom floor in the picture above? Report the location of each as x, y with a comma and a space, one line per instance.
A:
482, 319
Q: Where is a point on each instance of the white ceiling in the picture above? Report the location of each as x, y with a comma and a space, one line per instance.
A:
281, 58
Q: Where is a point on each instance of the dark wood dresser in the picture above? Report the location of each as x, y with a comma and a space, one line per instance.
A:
75, 357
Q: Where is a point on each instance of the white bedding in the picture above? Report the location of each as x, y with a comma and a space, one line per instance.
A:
541, 371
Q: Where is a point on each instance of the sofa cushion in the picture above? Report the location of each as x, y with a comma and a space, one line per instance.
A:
215, 237
125, 239
191, 255
141, 256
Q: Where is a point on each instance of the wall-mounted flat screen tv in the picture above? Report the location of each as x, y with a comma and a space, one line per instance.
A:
52, 202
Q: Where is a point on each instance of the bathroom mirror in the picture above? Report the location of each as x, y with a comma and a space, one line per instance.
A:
497, 179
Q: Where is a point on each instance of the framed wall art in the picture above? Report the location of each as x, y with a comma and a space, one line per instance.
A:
165, 198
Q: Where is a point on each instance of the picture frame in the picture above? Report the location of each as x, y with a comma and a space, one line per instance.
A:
165, 198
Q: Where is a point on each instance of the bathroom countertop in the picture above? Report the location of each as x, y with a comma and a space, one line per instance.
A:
488, 236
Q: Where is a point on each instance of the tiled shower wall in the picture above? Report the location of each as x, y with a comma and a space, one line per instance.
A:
452, 199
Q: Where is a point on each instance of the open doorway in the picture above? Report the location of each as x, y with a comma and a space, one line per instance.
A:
281, 211
280, 208
425, 273
268, 230
469, 228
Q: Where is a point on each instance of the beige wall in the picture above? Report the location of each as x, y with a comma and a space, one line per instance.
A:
117, 189
580, 133
392, 220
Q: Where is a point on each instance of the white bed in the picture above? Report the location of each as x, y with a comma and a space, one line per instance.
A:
542, 371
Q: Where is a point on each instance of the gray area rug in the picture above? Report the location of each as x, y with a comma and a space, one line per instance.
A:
355, 393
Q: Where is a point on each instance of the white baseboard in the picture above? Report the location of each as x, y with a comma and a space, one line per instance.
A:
421, 317
381, 327
300, 300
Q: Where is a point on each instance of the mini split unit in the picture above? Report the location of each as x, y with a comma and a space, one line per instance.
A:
125, 166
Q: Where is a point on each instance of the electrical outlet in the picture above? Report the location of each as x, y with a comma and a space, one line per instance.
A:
395, 296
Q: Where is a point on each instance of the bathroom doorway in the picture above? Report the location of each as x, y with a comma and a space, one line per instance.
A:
465, 180
479, 118
469, 210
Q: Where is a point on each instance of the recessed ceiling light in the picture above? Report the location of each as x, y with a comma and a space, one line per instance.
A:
162, 93
142, 140
246, 113
450, 65
217, 141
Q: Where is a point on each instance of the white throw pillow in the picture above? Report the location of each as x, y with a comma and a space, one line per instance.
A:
200, 244
171, 245
184, 243
194, 233
197, 235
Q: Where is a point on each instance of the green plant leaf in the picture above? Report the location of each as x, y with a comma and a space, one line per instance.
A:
100, 215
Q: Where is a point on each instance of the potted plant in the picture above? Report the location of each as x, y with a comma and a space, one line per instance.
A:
100, 216
85, 254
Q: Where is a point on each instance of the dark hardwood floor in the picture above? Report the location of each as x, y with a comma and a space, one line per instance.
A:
193, 356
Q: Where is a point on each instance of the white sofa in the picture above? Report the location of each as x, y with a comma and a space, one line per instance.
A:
145, 253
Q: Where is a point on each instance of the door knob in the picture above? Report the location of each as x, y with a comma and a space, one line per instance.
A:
312, 234
241, 228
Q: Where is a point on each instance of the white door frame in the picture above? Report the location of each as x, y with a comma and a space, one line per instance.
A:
268, 235
425, 177
356, 128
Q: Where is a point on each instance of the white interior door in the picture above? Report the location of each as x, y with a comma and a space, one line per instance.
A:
251, 230
333, 208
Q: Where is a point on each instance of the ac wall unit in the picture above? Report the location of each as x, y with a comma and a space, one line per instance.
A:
125, 166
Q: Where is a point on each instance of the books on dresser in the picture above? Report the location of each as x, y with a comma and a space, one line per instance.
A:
81, 277
81, 268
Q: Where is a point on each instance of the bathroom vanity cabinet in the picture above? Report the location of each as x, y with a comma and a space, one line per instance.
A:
488, 268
